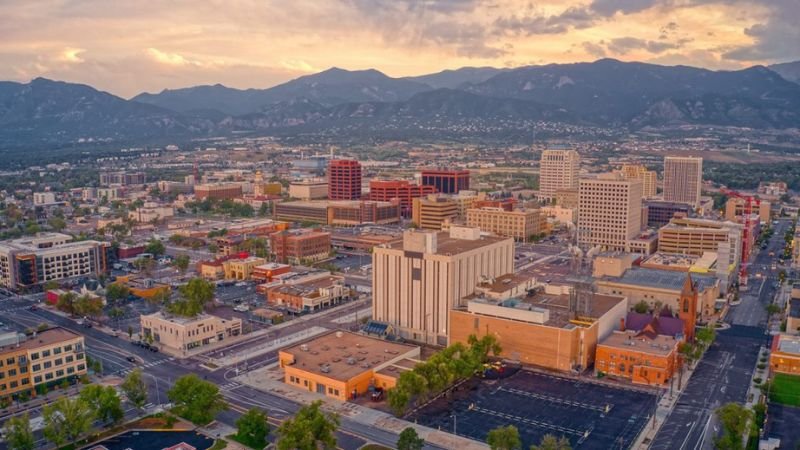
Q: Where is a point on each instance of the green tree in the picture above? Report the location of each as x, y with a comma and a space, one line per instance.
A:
196, 400
641, 307
734, 419
309, 429
116, 293
504, 438
146, 265
181, 263
705, 336
66, 302
155, 247
550, 442
50, 285
57, 223
66, 420
18, 433
87, 305
104, 401
252, 428
772, 309
410, 440
195, 296
135, 388
130, 332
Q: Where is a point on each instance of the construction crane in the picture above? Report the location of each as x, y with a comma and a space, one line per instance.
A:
747, 213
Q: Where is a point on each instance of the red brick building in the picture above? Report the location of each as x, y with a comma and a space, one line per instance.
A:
344, 179
446, 181
294, 246
403, 190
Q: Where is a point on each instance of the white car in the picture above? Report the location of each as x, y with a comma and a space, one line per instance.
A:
242, 308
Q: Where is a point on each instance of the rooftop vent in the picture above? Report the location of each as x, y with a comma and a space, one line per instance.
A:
304, 347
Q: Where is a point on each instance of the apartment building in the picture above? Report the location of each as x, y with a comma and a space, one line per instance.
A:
416, 284
32, 260
446, 181
609, 212
649, 178
178, 334
432, 211
344, 179
218, 191
123, 178
520, 224
683, 179
46, 358
44, 198
558, 169
294, 246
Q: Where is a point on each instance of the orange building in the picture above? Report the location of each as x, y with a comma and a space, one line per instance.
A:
265, 273
294, 246
403, 190
345, 365
785, 356
645, 354
219, 191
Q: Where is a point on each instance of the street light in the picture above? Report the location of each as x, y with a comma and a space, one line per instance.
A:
158, 394
455, 421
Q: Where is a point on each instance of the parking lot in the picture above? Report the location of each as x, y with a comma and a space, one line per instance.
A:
783, 424
590, 415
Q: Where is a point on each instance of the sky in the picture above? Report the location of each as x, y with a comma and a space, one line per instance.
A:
127, 47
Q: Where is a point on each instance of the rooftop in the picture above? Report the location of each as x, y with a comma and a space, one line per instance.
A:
343, 355
659, 345
332, 203
789, 344
308, 288
661, 279
181, 320
794, 307
42, 338
677, 260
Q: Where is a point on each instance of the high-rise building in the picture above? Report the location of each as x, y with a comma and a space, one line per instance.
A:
402, 190
446, 181
344, 179
648, 177
417, 283
683, 179
558, 169
609, 211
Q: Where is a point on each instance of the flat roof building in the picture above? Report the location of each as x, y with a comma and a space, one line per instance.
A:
785, 355
309, 296
177, 334
416, 284
609, 212
402, 190
339, 213
344, 179
683, 179
649, 178
218, 191
308, 189
294, 246
520, 224
432, 211
446, 181
558, 169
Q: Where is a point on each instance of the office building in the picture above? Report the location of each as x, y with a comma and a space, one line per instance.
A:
344, 365
446, 181
28, 261
558, 169
402, 190
736, 208
46, 359
218, 191
658, 212
567, 198
309, 189
241, 268
344, 179
177, 334
339, 213
416, 284
609, 212
302, 245
683, 179
123, 178
649, 178
432, 211
520, 224
309, 296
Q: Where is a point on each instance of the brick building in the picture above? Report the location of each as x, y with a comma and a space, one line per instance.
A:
294, 246
344, 179
403, 190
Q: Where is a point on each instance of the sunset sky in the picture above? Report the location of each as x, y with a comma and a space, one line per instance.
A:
149, 45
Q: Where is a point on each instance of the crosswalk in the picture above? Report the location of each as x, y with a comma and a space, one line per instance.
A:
145, 366
230, 386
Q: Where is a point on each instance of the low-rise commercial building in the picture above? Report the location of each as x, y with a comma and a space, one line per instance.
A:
151, 211
265, 273
218, 191
241, 268
339, 213
309, 296
179, 334
44, 359
345, 365
308, 189
520, 224
294, 246
785, 355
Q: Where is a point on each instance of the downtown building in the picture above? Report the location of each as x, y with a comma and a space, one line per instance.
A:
344, 179
609, 212
520, 224
32, 260
417, 283
558, 169
402, 190
649, 178
446, 181
683, 179
218, 191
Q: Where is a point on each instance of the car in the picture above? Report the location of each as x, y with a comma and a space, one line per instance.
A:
131, 359
154, 349
33, 308
87, 324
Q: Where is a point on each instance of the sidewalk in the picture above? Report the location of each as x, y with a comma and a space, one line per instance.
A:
270, 379
665, 405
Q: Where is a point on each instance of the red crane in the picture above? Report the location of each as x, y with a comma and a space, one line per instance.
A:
747, 213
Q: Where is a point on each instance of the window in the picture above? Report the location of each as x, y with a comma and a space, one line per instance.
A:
59, 373
37, 367
81, 367
45, 353
12, 372
69, 358
48, 376
59, 361
48, 364
13, 384
37, 379
70, 370
57, 350
26, 380
9, 361
23, 369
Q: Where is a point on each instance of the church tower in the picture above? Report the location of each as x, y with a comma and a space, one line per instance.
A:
688, 308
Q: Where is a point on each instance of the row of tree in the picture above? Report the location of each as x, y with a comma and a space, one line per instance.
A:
440, 372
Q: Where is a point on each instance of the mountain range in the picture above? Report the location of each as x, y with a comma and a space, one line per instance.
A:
603, 93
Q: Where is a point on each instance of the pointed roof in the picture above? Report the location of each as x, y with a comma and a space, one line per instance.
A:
688, 286
650, 326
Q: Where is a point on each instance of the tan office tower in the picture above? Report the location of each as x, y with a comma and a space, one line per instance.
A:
683, 179
609, 211
648, 177
414, 285
558, 169
432, 211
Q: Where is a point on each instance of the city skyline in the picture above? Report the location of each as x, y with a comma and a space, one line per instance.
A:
140, 47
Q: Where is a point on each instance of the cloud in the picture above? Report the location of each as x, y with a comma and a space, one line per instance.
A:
623, 45
172, 59
298, 65
531, 24
71, 55
596, 50
608, 8
775, 39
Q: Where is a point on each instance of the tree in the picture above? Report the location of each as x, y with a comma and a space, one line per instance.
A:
181, 263
135, 388
104, 401
252, 428
734, 419
66, 419
66, 302
772, 309
117, 292
87, 305
309, 429
641, 307
130, 332
146, 265
196, 400
504, 438
410, 440
18, 433
57, 223
550, 442
196, 294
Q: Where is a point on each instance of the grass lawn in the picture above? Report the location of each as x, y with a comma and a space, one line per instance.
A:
785, 389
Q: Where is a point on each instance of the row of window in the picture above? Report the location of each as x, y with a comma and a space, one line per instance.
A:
40, 378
